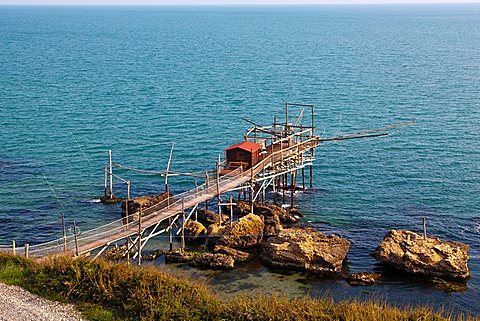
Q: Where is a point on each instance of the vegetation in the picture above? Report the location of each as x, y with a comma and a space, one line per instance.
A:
107, 291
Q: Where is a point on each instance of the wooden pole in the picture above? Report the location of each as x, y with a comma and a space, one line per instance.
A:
111, 172
231, 211
183, 224
170, 233
286, 118
284, 185
139, 242
207, 183
251, 190
76, 237
424, 228
218, 193
105, 181
303, 178
128, 252
311, 175
127, 202
64, 229
168, 168
292, 179
14, 249
26, 250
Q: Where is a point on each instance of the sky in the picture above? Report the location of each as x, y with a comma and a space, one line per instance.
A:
222, 2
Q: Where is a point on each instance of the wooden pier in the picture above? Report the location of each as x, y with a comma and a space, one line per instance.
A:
278, 154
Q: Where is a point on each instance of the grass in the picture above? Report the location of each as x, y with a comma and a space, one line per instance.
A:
107, 291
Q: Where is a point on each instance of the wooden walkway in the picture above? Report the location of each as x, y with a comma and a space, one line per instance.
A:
110, 233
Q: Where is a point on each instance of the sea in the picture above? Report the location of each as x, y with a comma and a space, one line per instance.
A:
77, 81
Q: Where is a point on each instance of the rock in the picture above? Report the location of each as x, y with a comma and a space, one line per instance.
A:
363, 278
266, 210
245, 233
214, 261
207, 217
295, 213
409, 252
272, 226
237, 255
449, 286
179, 256
305, 249
116, 252
216, 231
142, 202
153, 255
194, 231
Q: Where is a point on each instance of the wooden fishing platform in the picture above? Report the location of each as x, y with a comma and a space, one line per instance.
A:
266, 159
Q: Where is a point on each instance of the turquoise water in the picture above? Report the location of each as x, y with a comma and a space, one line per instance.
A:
75, 82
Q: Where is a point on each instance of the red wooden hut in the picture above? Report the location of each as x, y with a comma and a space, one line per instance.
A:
246, 154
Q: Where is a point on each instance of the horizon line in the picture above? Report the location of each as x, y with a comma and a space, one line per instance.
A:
328, 3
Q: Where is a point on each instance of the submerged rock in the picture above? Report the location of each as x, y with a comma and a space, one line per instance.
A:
179, 256
363, 278
214, 261
305, 249
237, 255
245, 233
410, 252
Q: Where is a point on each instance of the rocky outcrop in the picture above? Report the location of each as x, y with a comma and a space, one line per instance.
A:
214, 261
267, 210
143, 202
363, 278
237, 255
410, 252
305, 249
207, 217
194, 231
273, 226
179, 256
245, 233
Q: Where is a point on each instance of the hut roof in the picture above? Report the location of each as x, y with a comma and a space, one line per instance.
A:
247, 146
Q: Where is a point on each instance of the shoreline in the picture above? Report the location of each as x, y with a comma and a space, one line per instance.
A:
77, 281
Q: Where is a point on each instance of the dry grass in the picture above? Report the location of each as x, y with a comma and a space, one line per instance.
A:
108, 291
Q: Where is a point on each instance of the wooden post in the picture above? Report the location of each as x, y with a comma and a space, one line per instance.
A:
111, 172
64, 233
286, 118
251, 190
168, 169
26, 250
139, 241
303, 178
263, 194
105, 181
292, 179
170, 233
311, 176
207, 183
127, 202
128, 190
183, 224
218, 192
424, 228
14, 249
231, 211
284, 185
75, 236
128, 252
